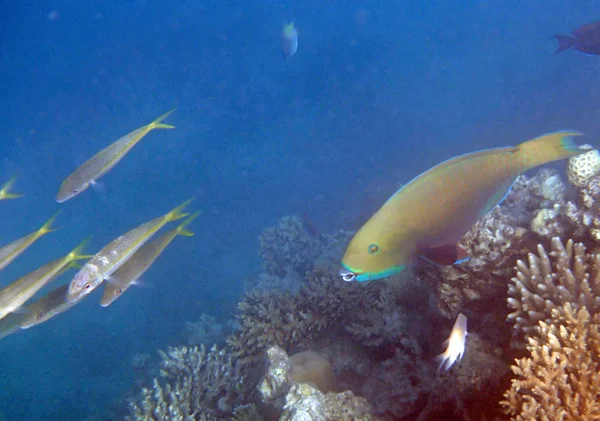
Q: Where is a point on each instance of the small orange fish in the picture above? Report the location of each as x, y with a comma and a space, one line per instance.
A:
428, 216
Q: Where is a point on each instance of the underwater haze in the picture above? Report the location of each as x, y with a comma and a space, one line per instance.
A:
376, 93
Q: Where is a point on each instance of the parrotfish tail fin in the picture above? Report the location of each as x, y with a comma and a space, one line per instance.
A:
5, 190
548, 148
47, 227
177, 213
564, 42
157, 124
181, 229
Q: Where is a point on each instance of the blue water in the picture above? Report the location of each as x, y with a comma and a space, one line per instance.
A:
374, 96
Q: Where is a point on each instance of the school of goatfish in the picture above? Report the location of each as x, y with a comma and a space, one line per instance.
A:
118, 265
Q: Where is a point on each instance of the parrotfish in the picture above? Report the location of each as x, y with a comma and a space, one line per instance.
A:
50, 305
289, 40
456, 343
428, 216
16, 294
98, 165
5, 190
108, 260
140, 262
585, 39
11, 251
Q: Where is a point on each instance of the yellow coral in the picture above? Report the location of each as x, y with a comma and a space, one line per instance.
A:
561, 379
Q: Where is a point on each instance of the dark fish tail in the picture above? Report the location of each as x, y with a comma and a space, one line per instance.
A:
564, 42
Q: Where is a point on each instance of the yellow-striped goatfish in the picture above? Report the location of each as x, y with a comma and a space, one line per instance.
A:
108, 260
11, 251
140, 262
16, 294
98, 165
5, 190
428, 216
50, 305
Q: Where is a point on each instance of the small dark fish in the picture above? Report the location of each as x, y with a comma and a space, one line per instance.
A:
585, 39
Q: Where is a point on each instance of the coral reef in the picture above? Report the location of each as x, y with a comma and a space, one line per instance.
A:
206, 330
310, 367
288, 247
200, 385
548, 281
561, 379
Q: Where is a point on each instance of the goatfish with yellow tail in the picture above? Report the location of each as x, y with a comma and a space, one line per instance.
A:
16, 294
108, 260
50, 305
11, 251
98, 165
428, 216
5, 190
140, 262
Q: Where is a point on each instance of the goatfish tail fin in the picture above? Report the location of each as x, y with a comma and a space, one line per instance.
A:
548, 148
5, 190
157, 124
182, 230
177, 213
47, 227
75, 254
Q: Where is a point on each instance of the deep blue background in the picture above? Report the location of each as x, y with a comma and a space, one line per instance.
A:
374, 96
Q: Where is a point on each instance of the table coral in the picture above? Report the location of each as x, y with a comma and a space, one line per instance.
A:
547, 281
561, 378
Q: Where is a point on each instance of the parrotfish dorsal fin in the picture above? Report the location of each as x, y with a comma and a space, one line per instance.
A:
444, 255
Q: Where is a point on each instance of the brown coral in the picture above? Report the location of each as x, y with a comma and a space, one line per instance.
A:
549, 280
561, 379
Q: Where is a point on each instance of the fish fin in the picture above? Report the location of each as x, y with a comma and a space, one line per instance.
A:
112, 280
564, 42
97, 186
141, 283
497, 198
548, 148
181, 230
444, 255
47, 227
156, 124
177, 213
75, 253
4, 191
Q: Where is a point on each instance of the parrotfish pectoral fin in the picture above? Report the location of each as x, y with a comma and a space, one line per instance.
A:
444, 255
564, 42
496, 198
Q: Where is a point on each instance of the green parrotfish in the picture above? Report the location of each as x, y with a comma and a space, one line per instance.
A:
428, 216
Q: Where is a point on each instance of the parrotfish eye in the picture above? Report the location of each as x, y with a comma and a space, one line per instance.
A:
372, 249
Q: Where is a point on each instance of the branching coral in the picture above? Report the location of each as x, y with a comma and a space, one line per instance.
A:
288, 247
561, 379
200, 385
549, 280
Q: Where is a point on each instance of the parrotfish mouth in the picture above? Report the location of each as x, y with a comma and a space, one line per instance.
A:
347, 275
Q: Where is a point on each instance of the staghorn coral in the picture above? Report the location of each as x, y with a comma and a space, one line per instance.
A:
548, 281
200, 385
561, 379
288, 247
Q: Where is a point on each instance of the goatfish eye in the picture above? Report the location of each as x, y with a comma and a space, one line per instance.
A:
40, 315
372, 248
87, 286
347, 275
